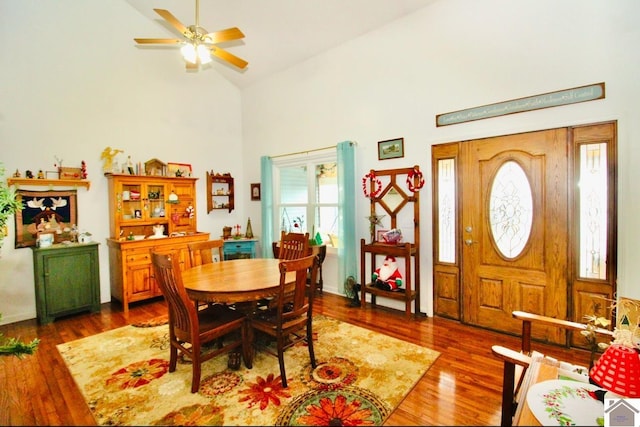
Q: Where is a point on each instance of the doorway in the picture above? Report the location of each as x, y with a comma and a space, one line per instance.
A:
512, 227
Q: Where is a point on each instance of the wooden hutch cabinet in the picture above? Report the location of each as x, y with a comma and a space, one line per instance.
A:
402, 206
147, 213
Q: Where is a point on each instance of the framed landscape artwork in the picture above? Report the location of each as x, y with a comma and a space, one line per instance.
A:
391, 149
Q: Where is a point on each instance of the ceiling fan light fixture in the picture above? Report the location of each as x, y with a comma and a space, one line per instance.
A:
204, 54
200, 45
189, 53
195, 53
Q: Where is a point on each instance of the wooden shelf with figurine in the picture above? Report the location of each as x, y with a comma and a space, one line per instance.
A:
220, 191
67, 177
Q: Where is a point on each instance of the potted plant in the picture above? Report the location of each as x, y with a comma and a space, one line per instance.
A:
13, 346
9, 204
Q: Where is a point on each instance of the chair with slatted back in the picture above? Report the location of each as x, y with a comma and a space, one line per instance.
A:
291, 320
319, 250
290, 246
203, 252
293, 245
189, 328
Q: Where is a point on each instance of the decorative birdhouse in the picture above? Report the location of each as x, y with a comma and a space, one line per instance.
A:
155, 167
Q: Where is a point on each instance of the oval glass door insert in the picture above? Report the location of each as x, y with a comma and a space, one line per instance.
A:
510, 209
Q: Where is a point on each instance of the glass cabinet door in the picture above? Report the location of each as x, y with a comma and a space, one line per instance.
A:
132, 202
156, 200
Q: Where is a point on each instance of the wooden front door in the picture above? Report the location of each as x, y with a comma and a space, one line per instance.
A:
512, 240
514, 251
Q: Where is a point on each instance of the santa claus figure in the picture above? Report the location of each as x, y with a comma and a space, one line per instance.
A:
387, 276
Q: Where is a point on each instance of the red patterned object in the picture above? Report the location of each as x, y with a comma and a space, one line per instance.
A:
618, 370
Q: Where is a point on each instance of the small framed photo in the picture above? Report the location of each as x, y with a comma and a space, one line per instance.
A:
255, 191
391, 149
380, 235
179, 169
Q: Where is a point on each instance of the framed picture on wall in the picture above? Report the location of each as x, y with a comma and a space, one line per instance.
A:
45, 211
255, 191
391, 149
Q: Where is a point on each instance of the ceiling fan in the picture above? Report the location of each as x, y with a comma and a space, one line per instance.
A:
198, 44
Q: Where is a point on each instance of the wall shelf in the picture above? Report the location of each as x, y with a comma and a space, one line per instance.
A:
220, 191
34, 182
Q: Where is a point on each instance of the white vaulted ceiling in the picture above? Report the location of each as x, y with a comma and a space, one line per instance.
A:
278, 33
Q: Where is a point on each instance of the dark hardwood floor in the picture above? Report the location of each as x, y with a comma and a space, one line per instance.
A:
462, 388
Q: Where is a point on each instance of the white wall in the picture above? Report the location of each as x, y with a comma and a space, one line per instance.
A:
72, 83
453, 55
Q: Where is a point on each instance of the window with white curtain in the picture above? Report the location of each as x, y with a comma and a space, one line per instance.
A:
306, 196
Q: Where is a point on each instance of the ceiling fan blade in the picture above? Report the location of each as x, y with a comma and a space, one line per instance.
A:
173, 21
224, 35
229, 57
158, 41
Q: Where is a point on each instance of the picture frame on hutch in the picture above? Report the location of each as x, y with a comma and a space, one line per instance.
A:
179, 169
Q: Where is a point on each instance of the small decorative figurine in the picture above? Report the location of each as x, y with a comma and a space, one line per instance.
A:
226, 232
28, 174
387, 277
40, 174
16, 174
108, 154
249, 232
83, 168
130, 166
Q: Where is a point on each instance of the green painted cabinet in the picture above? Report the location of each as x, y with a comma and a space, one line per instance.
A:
67, 280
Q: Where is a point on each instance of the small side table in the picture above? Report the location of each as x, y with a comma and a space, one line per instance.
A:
239, 248
321, 252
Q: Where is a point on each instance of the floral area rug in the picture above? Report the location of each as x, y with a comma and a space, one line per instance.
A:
360, 378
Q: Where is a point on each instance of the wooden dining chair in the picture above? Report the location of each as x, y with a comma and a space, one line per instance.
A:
319, 250
290, 246
291, 320
190, 328
293, 245
203, 252
516, 362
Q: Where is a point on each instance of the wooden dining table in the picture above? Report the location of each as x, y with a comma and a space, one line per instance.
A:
233, 281
239, 281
